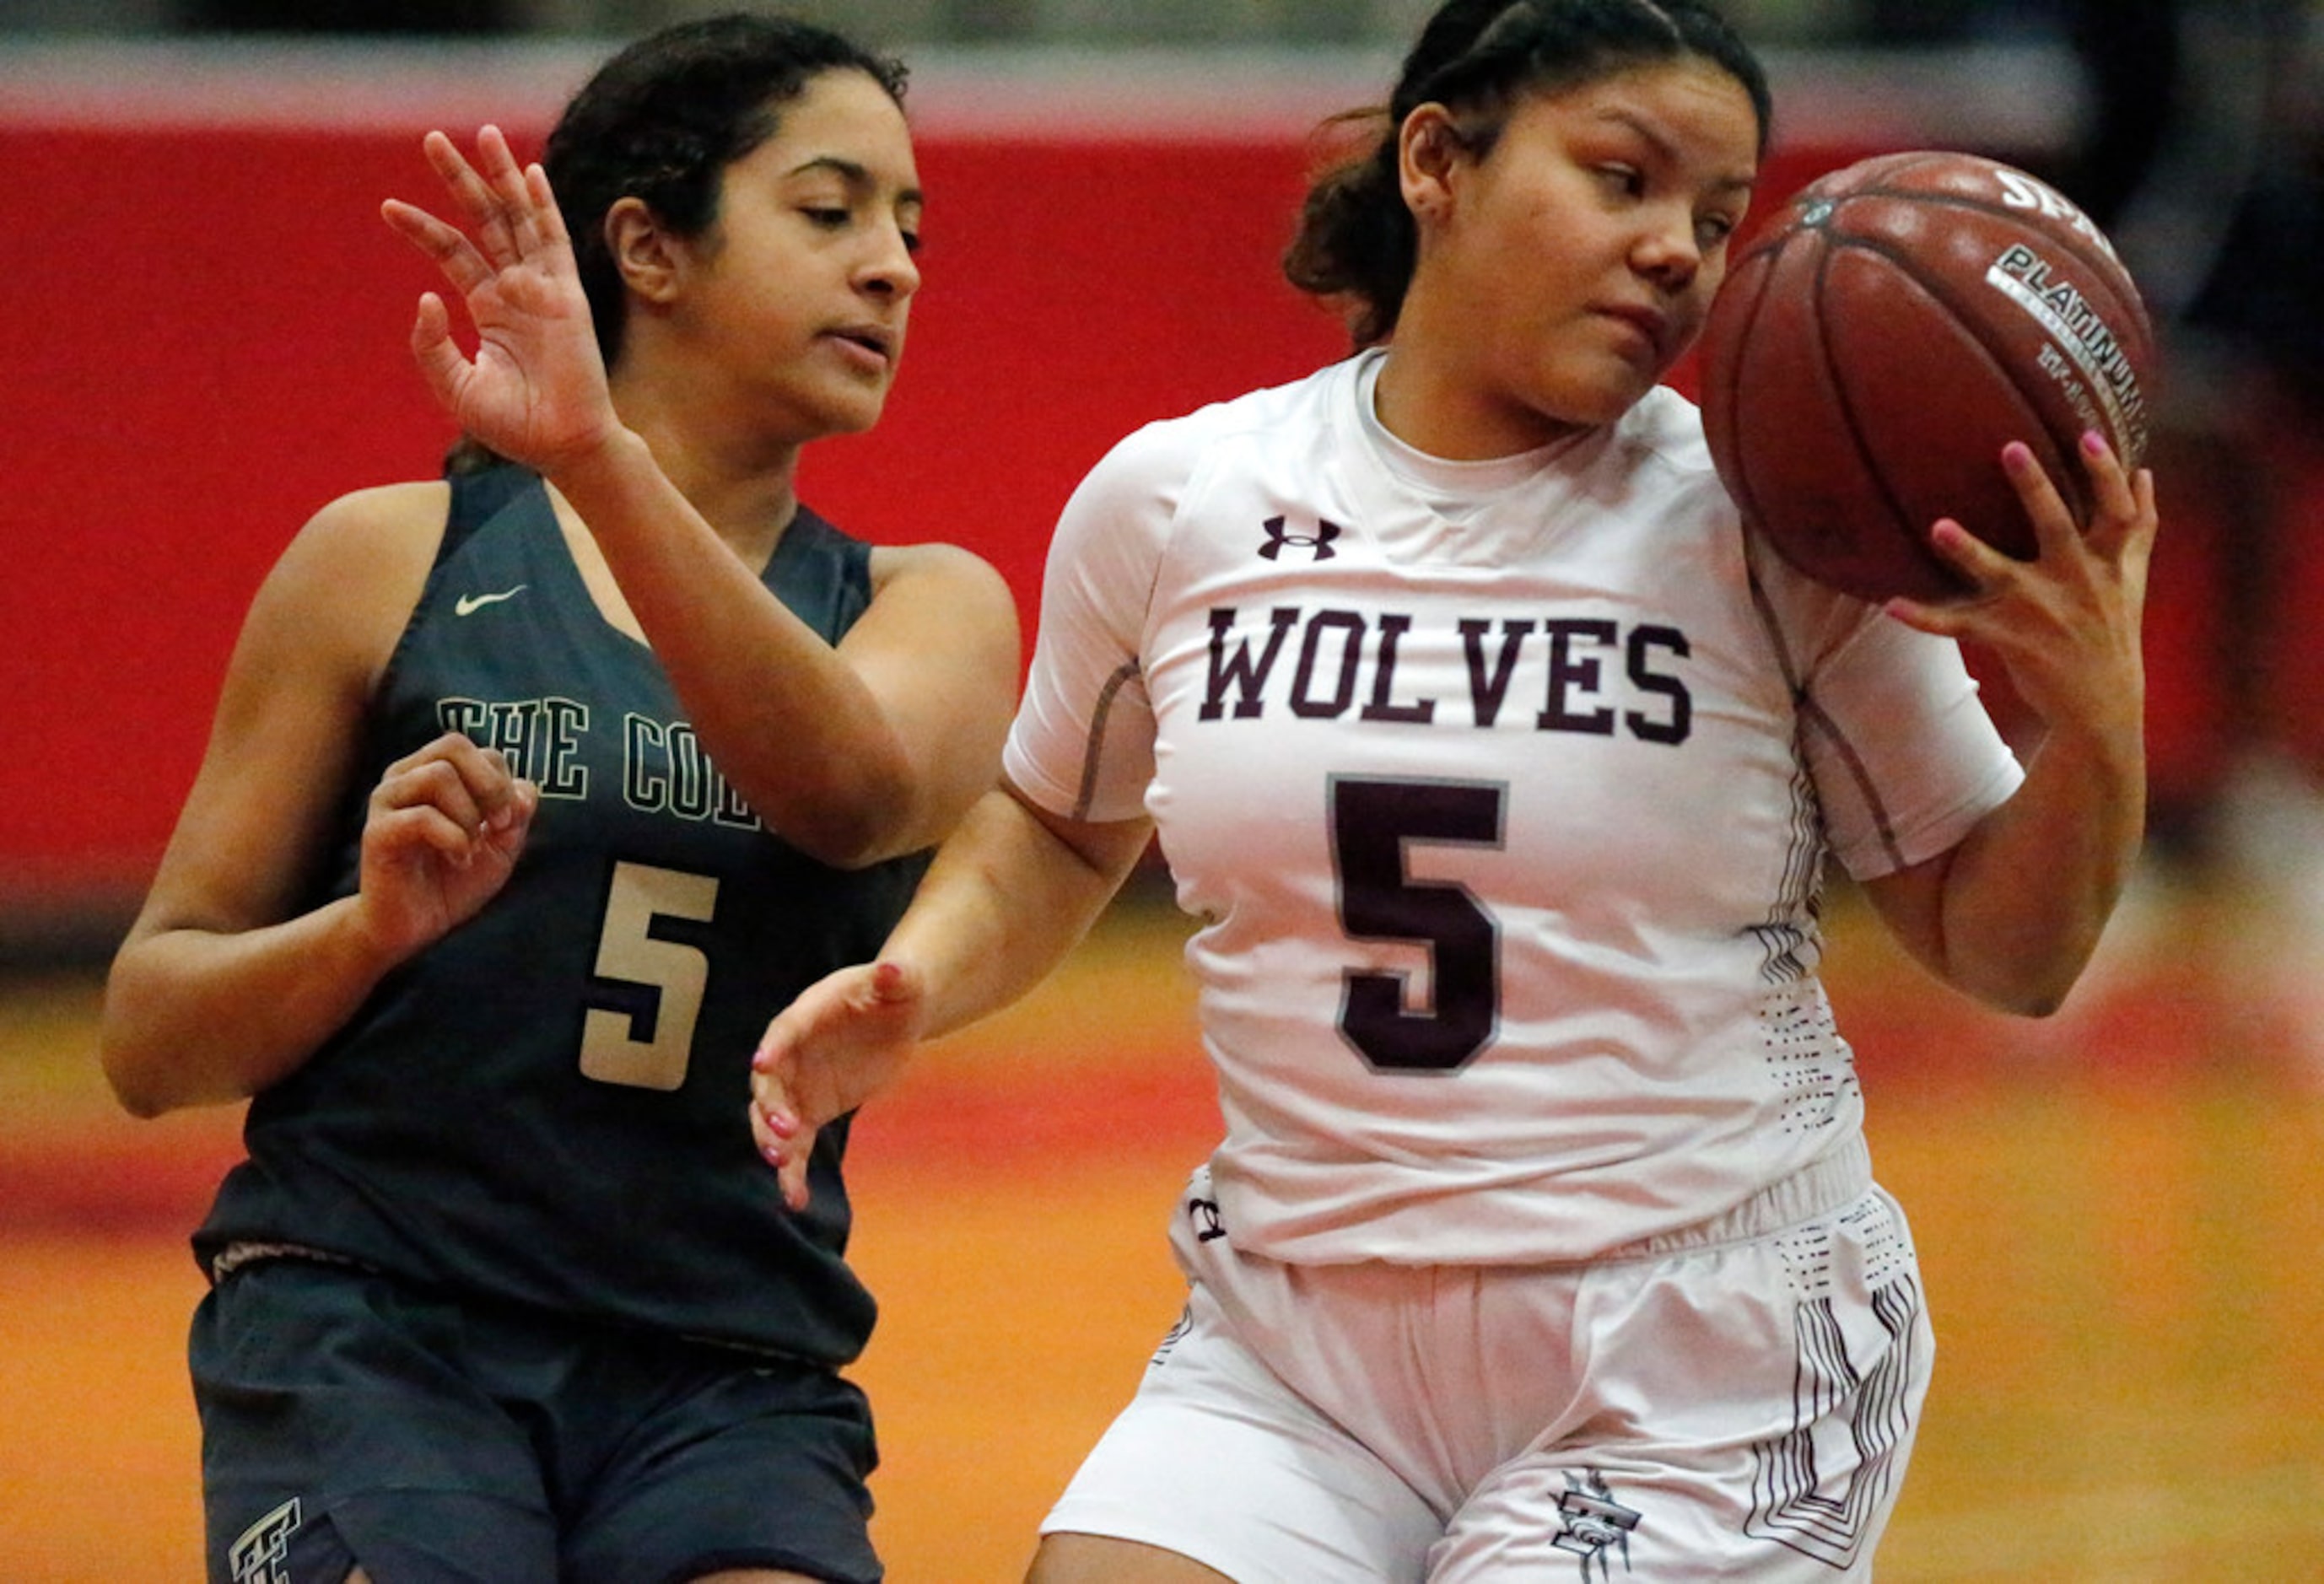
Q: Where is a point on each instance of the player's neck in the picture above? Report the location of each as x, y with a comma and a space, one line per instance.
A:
745, 488
1438, 405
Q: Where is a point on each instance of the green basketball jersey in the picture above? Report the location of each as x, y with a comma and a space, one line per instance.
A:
548, 1106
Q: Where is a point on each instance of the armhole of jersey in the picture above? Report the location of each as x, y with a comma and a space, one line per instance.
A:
475, 497
814, 553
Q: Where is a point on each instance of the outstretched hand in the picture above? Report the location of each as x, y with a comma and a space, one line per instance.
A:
535, 391
840, 1043
2066, 624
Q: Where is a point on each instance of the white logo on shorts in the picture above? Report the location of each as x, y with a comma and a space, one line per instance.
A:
262, 1553
1591, 1523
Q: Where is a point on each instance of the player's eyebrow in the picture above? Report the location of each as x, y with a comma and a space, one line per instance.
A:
1741, 182
854, 173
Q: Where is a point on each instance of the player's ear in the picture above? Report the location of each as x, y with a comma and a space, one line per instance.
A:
1429, 147
646, 255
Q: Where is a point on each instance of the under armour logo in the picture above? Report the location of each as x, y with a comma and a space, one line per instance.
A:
1592, 1523
1208, 1223
261, 1555
1319, 542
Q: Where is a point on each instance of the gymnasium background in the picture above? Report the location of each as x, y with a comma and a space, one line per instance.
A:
203, 341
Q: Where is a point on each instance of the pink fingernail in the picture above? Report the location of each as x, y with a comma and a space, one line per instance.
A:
2094, 443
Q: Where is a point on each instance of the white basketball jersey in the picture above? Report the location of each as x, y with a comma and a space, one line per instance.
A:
1503, 791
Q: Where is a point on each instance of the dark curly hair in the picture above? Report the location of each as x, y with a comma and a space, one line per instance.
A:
1357, 240
661, 121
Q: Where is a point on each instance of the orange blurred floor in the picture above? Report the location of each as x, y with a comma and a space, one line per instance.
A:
2118, 1212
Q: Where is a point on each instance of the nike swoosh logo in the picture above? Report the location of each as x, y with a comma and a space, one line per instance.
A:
468, 604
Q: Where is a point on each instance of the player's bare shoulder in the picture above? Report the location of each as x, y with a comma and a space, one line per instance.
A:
945, 615
349, 582
957, 579
943, 563
397, 520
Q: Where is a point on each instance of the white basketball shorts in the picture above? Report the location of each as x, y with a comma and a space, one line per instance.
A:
1737, 1401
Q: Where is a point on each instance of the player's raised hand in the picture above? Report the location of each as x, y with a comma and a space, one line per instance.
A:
442, 834
535, 391
840, 1043
2065, 624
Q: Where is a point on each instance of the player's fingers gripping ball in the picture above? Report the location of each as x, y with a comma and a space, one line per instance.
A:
1876, 345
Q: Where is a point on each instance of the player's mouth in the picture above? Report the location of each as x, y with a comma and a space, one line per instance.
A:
1652, 326
873, 345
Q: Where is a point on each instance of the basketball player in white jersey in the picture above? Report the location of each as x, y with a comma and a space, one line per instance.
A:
1501, 768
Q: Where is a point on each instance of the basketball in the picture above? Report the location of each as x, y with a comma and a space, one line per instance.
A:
1878, 344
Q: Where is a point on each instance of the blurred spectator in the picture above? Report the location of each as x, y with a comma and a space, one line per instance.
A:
2204, 159
2265, 290
2130, 55
348, 16
2256, 320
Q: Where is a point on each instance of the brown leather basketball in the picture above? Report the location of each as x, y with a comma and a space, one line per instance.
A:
1879, 341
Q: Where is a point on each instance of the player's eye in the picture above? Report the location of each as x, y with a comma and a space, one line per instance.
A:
1623, 180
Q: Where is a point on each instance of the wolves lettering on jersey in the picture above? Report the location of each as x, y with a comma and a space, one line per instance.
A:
664, 767
1578, 666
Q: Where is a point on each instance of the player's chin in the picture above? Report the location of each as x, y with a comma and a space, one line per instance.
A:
850, 410
1610, 373
1604, 396
1639, 369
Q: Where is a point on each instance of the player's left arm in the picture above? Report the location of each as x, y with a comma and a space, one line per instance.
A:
2012, 913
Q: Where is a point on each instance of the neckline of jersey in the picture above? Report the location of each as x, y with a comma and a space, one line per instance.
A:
1442, 478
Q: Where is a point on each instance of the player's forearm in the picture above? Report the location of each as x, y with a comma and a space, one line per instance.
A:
787, 720
2029, 893
1004, 902
195, 1017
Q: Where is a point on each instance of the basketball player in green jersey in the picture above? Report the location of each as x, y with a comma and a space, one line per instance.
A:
532, 794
